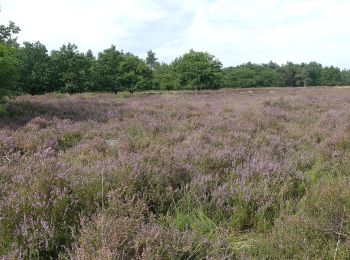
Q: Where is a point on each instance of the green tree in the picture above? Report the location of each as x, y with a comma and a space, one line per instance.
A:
9, 71
116, 71
7, 33
242, 76
165, 77
345, 77
9, 63
107, 70
302, 76
315, 73
198, 70
70, 69
152, 60
331, 76
269, 77
134, 74
289, 72
90, 61
34, 60
90, 55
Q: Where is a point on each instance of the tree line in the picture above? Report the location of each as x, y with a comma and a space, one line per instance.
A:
30, 68
287, 75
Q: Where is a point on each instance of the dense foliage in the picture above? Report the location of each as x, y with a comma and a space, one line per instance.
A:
9, 62
228, 174
68, 70
9, 71
33, 72
198, 70
31, 69
287, 75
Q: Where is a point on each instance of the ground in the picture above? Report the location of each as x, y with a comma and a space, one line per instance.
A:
234, 173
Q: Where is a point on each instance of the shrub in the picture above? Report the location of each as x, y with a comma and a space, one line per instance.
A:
320, 228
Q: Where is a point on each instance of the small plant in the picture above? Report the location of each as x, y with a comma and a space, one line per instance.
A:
69, 140
195, 220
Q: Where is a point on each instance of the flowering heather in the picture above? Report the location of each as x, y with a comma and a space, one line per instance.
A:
220, 174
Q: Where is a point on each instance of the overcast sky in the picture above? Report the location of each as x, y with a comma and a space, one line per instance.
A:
235, 31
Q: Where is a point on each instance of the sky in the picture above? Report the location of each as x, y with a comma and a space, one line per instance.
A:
234, 31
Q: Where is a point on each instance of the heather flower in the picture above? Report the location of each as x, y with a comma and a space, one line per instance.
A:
51, 143
99, 176
7, 144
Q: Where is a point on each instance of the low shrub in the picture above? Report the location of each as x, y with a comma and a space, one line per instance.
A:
319, 229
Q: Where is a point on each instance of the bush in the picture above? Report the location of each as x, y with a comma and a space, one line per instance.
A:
319, 229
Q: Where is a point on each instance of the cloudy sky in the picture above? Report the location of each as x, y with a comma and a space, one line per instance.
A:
235, 31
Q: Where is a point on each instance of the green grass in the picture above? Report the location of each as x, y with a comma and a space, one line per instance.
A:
2, 109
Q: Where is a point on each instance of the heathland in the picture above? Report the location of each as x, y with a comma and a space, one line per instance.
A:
258, 173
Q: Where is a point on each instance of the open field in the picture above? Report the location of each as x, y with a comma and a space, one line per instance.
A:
245, 174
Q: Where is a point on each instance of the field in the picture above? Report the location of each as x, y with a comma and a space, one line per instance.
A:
235, 174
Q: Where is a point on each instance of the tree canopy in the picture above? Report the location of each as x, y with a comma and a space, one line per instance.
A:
9, 62
29, 68
199, 70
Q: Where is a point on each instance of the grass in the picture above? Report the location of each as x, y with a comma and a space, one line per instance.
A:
2, 109
235, 174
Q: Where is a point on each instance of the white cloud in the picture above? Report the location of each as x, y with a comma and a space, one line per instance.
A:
90, 24
234, 31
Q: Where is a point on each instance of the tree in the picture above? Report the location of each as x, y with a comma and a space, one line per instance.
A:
198, 70
107, 70
269, 77
89, 54
289, 71
34, 60
69, 70
331, 76
89, 76
302, 75
9, 72
152, 60
7, 33
116, 71
9, 63
345, 77
242, 76
134, 74
254, 75
315, 73
165, 77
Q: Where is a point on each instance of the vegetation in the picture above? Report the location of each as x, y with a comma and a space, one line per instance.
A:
9, 62
9, 71
223, 174
198, 70
288, 75
226, 174
29, 68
